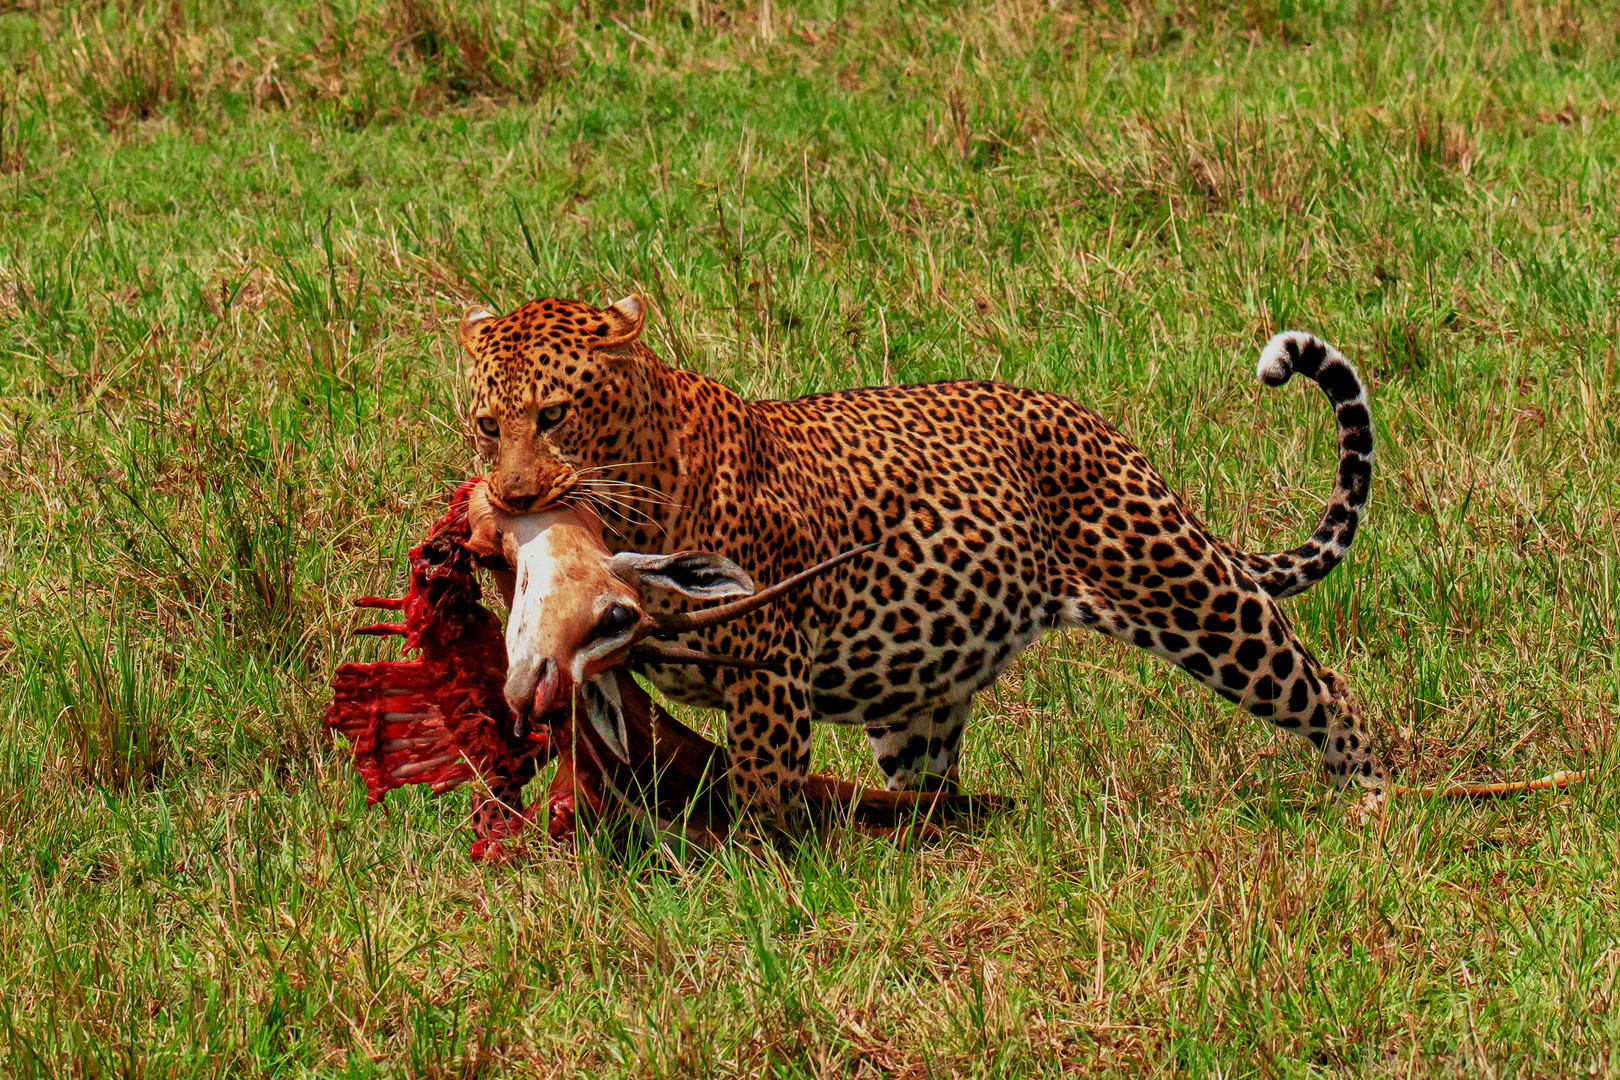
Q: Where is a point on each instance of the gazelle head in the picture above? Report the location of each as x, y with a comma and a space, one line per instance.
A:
579, 611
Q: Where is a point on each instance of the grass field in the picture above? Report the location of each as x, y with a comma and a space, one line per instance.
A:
234, 241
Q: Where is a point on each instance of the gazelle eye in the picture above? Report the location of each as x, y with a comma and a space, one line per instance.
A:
551, 415
616, 620
488, 426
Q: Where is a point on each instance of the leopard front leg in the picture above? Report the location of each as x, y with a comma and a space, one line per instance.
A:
497, 806
768, 731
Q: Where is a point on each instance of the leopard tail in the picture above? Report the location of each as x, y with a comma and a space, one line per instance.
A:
1284, 573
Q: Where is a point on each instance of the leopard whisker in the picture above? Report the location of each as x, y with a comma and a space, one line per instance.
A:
621, 504
606, 506
610, 489
575, 501
653, 494
630, 513
602, 502
587, 470
615, 465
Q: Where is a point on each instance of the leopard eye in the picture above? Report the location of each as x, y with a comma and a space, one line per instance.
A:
488, 426
552, 415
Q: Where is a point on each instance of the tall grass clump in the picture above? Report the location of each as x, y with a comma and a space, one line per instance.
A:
119, 709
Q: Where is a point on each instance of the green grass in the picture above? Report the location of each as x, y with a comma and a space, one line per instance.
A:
234, 241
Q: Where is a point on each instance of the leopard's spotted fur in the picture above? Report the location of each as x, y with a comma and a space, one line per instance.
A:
998, 512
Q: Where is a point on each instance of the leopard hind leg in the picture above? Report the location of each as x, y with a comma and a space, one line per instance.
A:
497, 804
1226, 632
922, 750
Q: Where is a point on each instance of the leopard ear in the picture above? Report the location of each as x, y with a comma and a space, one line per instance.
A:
473, 320
621, 322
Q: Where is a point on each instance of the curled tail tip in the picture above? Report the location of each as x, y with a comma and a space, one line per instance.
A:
1296, 350
1276, 367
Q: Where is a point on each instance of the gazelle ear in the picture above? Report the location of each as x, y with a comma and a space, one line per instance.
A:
474, 320
697, 574
621, 322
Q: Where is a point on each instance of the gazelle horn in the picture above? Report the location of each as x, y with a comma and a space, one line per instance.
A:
676, 622
651, 652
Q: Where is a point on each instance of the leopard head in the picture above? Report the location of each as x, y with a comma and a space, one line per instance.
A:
555, 387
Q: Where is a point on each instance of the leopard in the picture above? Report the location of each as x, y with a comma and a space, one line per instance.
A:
990, 514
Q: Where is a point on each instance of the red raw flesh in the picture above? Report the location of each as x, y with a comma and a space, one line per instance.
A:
440, 718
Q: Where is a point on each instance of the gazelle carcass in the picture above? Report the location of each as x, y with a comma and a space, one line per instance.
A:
470, 707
